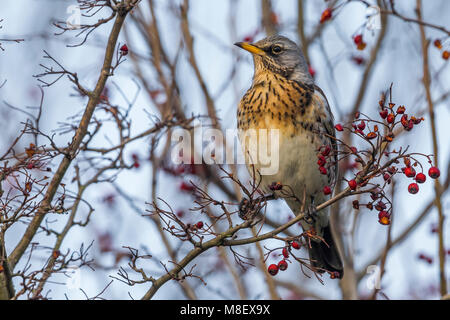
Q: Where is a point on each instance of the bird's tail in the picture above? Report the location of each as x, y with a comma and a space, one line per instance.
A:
325, 256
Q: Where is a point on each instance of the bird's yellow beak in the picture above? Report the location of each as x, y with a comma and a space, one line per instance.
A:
250, 48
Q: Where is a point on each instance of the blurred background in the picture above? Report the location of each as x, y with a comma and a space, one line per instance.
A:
352, 79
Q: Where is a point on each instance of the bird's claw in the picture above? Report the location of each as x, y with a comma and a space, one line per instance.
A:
311, 214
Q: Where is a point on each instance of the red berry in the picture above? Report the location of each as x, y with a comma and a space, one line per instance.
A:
386, 176
199, 224
380, 206
339, 127
401, 110
409, 172
285, 252
437, 43
326, 15
322, 161
358, 39
434, 172
362, 125
295, 245
323, 170
275, 186
390, 118
358, 60
384, 114
124, 49
180, 213
326, 190
326, 151
352, 184
186, 187
410, 125
273, 269
413, 188
311, 71
445, 55
282, 265
384, 217
420, 178
404, 121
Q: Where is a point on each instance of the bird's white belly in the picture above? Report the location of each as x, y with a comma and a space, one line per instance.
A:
297, 166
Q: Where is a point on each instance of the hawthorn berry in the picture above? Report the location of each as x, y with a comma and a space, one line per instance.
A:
358, 39
326, 190
199, 224
358, 60
401, 110
311, 71
437, 43
275, 186
404, 120
295, 245
285, 252
413, 188
409, 172
124, 50
323, 170
326, 151
355, 204
186, 187
282, 265
384, 217
321, 161
352, 184
380, 206
420, 178
384, 114
362, 125
326, 15
445, 55
339, 127
390, 118
434, 173
273, 269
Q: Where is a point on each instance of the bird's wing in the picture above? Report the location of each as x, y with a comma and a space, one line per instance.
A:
328, 122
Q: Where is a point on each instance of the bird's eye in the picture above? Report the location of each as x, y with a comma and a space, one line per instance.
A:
276, 49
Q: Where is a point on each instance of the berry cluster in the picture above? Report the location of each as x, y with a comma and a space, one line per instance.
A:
445, 53
282, 265
359, 42
393, 119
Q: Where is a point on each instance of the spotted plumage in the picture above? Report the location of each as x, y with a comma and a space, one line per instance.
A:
283, 96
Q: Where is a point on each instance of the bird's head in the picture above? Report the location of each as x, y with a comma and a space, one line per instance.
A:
279, 55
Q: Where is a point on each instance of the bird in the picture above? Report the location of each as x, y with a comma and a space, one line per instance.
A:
283, 96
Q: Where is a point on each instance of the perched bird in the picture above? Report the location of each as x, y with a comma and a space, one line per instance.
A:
283, 96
